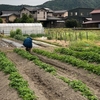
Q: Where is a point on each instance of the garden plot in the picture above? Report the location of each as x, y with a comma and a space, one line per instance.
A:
47, 86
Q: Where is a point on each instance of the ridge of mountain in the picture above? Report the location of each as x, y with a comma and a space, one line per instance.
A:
58, 5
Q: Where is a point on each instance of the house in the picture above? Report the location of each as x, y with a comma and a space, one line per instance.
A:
39, 14
80, 14
95, 22
61, 13
8, 17
10, 12
43, 15
28, 11
46, 16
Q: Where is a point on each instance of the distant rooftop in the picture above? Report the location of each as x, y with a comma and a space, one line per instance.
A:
60, 11
95, 11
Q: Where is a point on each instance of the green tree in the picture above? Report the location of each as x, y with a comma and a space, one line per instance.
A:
25, 19
70, 23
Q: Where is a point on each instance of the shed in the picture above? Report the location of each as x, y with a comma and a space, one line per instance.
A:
27, 28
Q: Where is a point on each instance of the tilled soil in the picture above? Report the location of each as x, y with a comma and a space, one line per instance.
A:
74, 73
6, 92
47, 86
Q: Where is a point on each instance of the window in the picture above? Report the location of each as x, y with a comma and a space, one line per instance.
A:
75, 13
71, 13
81, 14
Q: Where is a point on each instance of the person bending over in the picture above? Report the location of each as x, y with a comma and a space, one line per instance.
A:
28, 44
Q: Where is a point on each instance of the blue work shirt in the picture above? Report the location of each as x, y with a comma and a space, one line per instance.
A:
28, 42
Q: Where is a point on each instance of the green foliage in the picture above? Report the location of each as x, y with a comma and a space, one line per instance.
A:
83, 43
6, 7
37, 35
25, 19
6, 65
25, 54
46, 67
90, 56
71, 23
18, 32
1, 20
35, 59
71, 60
70, 4
16, 81
12, 33
57, 5
19, 37
75, 84
80, 86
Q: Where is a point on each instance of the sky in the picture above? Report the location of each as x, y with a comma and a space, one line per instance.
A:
20, 2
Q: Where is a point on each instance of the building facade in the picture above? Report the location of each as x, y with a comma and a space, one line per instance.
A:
80, 14
95, 22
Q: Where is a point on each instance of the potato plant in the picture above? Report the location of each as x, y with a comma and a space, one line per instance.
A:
16, 81
75, 84
36, 60
84, 55
71, 60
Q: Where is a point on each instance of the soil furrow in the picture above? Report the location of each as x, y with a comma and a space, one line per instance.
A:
91, 80
6, 92
47, 85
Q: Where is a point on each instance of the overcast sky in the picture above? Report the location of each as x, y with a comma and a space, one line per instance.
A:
20, 2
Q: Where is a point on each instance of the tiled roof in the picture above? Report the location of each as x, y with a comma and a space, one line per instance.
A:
95, 11
31, 8
90, 22
9, 12
60, 11
48, 9
53, 18
5, 15
89, 18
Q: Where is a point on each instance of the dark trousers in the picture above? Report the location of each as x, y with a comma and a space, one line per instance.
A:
28, 49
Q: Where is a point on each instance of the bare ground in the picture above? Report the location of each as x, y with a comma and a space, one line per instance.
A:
6, 92
74, 73
46, 86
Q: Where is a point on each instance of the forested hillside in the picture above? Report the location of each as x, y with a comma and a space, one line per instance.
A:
70, 4
11, 7
59, 4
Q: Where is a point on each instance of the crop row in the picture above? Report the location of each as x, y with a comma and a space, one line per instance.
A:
75, 84
71, 60
16, 81
95, 49
84, 55
36, 60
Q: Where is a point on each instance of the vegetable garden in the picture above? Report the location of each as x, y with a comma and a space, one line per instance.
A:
63, 73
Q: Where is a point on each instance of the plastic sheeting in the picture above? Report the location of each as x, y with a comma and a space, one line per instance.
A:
27, 28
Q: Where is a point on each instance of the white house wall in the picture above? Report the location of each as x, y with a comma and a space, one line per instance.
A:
24, 11
41, 15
